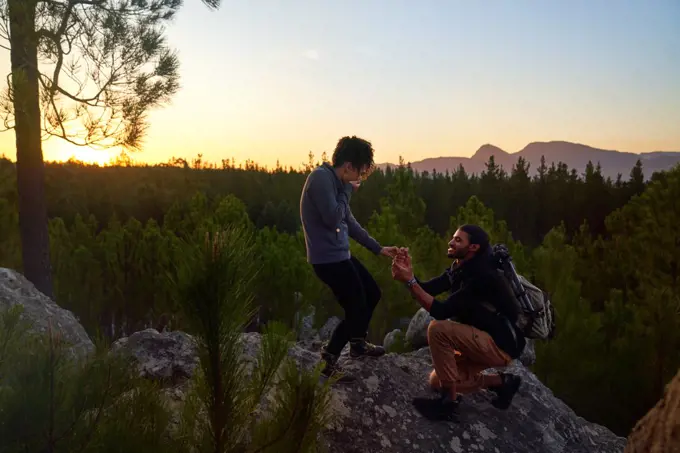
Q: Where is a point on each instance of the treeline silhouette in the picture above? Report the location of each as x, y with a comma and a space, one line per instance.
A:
531, 206
606, 250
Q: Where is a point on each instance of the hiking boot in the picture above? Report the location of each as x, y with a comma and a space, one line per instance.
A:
442, 408
360, 347
332, 369
506, 391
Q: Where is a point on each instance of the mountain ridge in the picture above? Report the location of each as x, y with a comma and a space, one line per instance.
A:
575, 155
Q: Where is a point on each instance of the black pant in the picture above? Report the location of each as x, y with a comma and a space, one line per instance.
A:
358, 294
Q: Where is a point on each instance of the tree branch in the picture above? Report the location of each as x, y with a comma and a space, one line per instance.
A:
213, 4
54, 105
57, 40
104, 54
86, 2
92, 102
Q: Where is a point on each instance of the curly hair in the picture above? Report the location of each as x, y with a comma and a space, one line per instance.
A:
355, 150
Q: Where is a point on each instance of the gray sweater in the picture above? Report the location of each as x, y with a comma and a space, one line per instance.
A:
327, 220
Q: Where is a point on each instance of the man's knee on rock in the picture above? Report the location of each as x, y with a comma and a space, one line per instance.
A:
437, 329
434, 381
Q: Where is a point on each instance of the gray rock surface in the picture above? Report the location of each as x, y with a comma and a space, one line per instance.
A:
167, 356
41, 311
528, 356
375, 413
327, 330
416, 334
304, 319
306, 324
391, 338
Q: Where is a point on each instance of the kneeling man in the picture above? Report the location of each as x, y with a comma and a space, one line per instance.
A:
482, 336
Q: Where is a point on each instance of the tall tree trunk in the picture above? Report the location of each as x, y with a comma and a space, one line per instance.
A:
30, 168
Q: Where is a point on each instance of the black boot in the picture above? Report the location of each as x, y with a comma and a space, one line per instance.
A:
333, 369
360, 347
506, 391
442, 408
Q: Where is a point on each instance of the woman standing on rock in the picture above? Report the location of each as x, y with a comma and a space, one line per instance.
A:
328, 224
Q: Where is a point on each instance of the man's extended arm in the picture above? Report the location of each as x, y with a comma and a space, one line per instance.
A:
441, 309
436, 285
332, 204
359, 234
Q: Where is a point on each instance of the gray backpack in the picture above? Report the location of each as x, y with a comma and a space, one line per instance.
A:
536, 318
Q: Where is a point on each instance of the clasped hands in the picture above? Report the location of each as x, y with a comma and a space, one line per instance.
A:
402, 269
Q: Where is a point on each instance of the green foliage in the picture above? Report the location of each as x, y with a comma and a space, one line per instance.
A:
215, 290
53, 401
395, 302
10, 251
428, 252
13, 332
117, 233
400, 345
286, 282
624, 333
408, 207
475, 212
300, 408
570, 363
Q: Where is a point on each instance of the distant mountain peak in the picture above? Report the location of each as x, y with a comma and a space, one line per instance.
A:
488, 150
574, 155
561, 147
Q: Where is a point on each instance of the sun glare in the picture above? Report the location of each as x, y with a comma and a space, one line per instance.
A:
64, 151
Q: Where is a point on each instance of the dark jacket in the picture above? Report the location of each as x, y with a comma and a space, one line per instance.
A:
469, 285
327, 220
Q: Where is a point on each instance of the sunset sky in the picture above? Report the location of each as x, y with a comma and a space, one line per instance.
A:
268, 80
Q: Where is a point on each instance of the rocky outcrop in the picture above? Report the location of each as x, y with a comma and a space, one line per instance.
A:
41, 311
375, 413
391, 339
659, 430
528, 356
167, 357
306, 325
328, 328
416, 334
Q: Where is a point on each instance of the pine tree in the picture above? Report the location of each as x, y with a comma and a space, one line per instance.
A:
215, 289
572, 361
55, 401
118, 67
637, 179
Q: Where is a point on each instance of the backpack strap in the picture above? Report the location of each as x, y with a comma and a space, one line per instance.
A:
489, 306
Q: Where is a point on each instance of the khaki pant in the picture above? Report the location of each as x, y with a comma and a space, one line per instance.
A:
460, 353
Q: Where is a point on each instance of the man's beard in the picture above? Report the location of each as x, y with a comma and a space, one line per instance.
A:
458, 253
